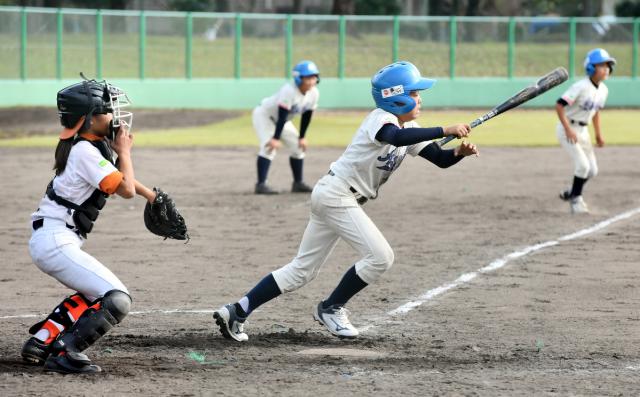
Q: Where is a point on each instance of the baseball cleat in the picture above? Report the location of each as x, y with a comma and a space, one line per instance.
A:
565, 195
263, 188
578, 206
71, 363
230, 323
336, 319
301, 187
35, 352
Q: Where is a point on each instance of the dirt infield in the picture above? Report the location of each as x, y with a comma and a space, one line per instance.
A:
562, 321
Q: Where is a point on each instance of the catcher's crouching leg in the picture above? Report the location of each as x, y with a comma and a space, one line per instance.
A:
91, 326
37, 348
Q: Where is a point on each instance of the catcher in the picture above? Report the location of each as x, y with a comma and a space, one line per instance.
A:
95, 126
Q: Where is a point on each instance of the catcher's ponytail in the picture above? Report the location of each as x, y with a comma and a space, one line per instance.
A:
62, 154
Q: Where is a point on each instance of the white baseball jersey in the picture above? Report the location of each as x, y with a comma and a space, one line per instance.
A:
368, 163
289, 97
584, 100
86, 170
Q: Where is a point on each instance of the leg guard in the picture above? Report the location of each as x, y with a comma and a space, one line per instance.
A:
37, 348
94, 323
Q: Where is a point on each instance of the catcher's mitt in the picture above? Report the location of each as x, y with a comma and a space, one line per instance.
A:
163, 218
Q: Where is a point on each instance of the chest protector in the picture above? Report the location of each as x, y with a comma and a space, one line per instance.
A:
85, 214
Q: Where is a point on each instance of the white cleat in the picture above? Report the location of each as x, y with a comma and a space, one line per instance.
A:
230, 323
578, 206
336, 320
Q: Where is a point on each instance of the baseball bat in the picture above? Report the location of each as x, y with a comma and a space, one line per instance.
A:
544, 84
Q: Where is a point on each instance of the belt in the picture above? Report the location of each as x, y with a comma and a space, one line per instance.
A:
361, 200
38, 223
580, 123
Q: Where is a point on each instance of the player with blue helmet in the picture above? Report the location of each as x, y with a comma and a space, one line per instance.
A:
272, 123
379, 146
576, 109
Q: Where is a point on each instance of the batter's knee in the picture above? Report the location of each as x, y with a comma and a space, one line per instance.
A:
593, 171
294, 275
370, 268
297, 154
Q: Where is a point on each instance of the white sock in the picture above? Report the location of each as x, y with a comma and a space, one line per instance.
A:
244, 304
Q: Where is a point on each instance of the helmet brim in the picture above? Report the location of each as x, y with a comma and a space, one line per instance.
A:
422, 84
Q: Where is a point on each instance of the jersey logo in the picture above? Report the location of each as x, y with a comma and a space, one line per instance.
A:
102, 163
390, 161
392, 91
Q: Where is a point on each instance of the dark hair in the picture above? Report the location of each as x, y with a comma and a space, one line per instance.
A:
64, 145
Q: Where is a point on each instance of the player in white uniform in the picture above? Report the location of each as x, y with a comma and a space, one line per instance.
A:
576, 108
86, 174
272, 122
378, 148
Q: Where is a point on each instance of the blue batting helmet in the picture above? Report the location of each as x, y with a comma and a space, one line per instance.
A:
392, 85
595, 57
305, 69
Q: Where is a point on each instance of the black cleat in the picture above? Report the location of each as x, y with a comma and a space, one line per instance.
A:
301, 187
35, 352
263, 188
565, 195
71, 363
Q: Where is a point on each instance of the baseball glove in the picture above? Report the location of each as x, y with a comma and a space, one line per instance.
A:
163, 218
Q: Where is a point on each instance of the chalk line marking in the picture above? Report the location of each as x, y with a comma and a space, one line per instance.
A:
432, 293
500, 262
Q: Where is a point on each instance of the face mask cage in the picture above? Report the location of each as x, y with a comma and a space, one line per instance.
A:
117, 101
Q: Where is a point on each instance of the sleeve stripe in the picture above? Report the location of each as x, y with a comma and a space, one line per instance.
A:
109, 184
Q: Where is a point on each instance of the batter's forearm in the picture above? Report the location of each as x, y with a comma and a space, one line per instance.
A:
562, 116
282, 119
305, 120
440, 157
393, 135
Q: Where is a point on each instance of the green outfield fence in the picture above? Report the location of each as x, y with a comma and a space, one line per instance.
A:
44, 48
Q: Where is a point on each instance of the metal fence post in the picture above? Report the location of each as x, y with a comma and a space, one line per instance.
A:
288, 47
634, 60
395, 42
59, 31
23, 43
511, 47
342, 31
98, 44
188, 54
142, 43
453, 40
238, 47
572, 47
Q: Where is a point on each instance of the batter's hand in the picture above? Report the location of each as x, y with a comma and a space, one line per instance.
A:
123, 142
273, 144
458, 130
599, 141
572, 137
302, 143
466, 149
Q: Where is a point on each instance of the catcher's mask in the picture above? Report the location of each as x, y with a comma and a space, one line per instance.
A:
80, 101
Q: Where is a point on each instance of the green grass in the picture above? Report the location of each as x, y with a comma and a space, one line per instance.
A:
264, 57
516, 128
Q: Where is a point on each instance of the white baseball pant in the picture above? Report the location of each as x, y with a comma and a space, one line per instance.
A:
265, 127
584, 158
56, 250
335, 214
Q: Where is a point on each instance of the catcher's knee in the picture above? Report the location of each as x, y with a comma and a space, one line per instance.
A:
117, 303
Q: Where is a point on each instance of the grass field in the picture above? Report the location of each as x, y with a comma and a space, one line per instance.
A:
524, 128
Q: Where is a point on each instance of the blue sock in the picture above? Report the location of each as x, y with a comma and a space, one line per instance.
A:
350, 285
263, 169
262, 293
296, 168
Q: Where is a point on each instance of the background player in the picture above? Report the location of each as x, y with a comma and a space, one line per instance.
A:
272, 122
378, 148
580, 104
86, 174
